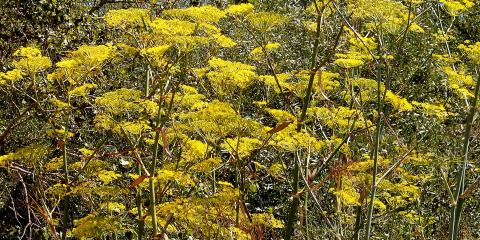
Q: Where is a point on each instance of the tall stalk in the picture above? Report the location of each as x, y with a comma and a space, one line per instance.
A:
65, 200
138, 196
456, 210
292, 214
153, 210
376, 147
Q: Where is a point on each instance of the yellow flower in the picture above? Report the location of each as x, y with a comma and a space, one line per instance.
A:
276, 169
123, 18
173, 27
207, 165
267, 220
113, 206
243, 146
183, 179
240, 9
398, 102
341, 118
433, 110
208, 14
82, 91
194, 150
224, 41
31, 61
107, 176
259, 52
455, 8
266, 21
472, 51
227, 74
349, 63
10, 76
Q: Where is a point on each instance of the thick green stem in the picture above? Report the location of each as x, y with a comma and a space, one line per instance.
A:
373, 189
65, 200
153, 210
138, 196
358, 223
307, 228
292, 214
376, 147
138, 199
456, 210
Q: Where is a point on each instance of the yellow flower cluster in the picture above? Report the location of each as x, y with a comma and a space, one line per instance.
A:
31, 61
276, 169
242, 146
459, 81
297, 82
124, 100
165, 176
83, 62
193, 151
30, 154
117, 106
240, 9
82, 90
94, 226
173, 27
113, 207
123, 18
433, 110
228, 75
188, 98
209, 216
281, 115
472, 51
341, 118
215, 120
60, 133
266, 21
223, 41
398, 102
207, 14
157, 54
259, 53
456, 7
358, 52
107, 176
289, 140
397, 191
386, 14
207, 165
368, 90
266, 219
10, 76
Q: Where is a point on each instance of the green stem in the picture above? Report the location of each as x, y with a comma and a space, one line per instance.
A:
292, 215
153, 209
456, 210
65, 202
378, 135
373, 189
138, 199
358, 223
307, 227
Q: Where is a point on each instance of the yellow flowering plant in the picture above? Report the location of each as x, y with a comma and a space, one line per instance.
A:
258, 120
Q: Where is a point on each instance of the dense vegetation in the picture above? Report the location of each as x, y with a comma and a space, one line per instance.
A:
289, 119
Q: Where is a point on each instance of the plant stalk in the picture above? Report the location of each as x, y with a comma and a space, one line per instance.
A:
378, 135
456, 210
